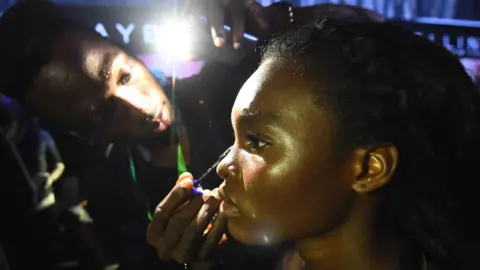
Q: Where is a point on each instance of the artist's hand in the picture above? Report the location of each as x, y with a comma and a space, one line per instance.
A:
250, 16
182, 228
241, 11
262, 21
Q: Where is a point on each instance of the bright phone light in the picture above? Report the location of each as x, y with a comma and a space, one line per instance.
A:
176, 39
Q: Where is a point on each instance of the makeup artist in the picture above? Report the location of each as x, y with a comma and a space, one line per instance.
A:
72, 80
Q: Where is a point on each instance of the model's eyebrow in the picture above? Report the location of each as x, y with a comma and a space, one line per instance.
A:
247, 116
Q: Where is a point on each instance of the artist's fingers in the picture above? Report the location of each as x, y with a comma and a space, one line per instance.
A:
238, 9
259, 15
177, 196
183, 176
258, 20
177, 225
216, 15
187, 249
214, 236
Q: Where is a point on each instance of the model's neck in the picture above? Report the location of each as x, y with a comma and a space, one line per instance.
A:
358, 244
340, 251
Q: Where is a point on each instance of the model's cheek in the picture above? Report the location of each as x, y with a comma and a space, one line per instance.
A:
253, 173
286, 160
253, 167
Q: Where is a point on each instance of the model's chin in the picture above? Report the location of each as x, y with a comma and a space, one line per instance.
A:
247, 233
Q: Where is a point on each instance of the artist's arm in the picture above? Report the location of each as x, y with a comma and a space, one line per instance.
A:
49, 146
52, 147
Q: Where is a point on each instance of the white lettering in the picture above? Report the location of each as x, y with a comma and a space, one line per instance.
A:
446, 42
473, 46
101, 30
150, 33
125, 32
467, 46
460, 46
473, 43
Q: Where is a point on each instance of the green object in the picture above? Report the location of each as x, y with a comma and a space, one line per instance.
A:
181, 164
133, 172
181, 168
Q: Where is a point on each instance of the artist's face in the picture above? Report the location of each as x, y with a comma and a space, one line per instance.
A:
281, 182
97, 90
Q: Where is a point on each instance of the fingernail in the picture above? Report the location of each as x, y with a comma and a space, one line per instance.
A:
182, 187
236, 45
181, 184
218, 41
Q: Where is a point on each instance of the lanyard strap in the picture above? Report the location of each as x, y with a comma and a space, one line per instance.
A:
181, 164
181, 168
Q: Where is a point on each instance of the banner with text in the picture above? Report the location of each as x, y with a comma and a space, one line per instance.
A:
137, 29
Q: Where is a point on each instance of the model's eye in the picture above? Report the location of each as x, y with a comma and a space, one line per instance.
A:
255, 143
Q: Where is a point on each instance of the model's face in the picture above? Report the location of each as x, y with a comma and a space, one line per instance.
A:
97, 90
281, 182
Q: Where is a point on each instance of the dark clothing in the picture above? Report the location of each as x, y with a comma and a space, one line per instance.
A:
3, 260
119, 203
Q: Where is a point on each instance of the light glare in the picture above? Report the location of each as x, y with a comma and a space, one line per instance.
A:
176, 40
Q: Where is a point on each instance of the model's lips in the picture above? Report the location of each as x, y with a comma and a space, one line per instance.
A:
228, 206
224, 196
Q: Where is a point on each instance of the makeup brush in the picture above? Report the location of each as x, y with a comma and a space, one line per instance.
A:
211, 168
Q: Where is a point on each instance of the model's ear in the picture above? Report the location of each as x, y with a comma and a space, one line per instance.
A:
375, 167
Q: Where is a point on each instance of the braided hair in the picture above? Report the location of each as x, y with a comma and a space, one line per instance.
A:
384, 84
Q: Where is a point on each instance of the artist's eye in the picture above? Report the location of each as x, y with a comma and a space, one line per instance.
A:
124, 77
255, 143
